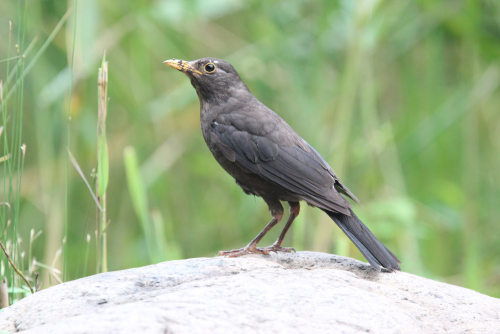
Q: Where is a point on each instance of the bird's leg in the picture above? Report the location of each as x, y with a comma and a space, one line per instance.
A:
276, 247
277, 213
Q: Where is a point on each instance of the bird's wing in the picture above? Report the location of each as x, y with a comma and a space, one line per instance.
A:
279, 155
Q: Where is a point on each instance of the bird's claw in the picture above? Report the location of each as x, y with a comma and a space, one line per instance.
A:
256, 250
244, 251
276, 249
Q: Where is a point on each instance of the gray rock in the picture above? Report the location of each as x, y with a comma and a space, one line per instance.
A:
304, 292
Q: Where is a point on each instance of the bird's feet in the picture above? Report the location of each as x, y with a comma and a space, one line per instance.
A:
251, 249
277, 248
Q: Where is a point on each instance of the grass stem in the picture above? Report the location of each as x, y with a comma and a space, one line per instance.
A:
102, 162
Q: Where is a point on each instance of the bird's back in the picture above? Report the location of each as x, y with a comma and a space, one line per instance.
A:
249, 138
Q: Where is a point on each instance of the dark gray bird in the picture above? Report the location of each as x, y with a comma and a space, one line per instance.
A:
267, 158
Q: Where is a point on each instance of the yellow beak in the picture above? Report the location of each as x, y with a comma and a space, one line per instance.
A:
181, 65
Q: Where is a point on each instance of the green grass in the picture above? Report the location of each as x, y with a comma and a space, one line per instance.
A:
401, 97
102, 175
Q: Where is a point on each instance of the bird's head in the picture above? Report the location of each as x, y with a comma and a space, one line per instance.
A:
215, 80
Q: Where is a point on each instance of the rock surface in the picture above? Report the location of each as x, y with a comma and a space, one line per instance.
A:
304, 292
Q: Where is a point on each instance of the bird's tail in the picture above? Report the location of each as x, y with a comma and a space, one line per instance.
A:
373, 250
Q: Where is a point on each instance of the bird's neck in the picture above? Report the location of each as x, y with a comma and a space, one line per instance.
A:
221, 93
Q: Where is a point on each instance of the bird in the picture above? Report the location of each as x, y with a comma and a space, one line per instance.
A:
268, 159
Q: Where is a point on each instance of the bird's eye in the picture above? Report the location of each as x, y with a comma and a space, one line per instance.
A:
209, 68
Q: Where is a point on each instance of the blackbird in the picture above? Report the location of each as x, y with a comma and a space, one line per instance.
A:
267, 158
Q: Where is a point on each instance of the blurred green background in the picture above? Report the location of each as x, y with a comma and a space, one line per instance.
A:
401, 97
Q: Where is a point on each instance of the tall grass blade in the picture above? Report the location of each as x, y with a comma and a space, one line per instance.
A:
153, 231
102, 177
